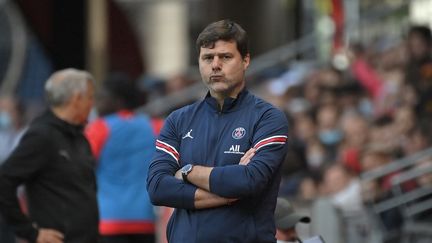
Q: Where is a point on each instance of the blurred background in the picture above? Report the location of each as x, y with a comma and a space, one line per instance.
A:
354, 78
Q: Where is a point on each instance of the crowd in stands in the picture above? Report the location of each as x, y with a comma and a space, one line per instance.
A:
345, 123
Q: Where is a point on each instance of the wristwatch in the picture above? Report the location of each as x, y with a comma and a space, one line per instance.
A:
185, 170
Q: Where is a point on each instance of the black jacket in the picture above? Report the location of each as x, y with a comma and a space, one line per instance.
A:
55, 163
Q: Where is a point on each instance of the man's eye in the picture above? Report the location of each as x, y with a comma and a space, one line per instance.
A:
227, 57
207, 58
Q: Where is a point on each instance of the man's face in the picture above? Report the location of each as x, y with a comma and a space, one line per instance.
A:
418, 47
287, 235
105, 103
85, 103
223, 69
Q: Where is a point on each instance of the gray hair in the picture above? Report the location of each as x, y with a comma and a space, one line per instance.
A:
62, 84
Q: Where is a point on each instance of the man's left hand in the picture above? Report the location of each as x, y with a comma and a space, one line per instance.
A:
247, 157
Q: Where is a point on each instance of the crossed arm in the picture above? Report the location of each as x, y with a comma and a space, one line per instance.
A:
200, 177
217, 186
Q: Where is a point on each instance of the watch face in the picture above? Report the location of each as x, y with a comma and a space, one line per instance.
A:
187, 168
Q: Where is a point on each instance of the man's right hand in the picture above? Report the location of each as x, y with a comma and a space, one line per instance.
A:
49, 236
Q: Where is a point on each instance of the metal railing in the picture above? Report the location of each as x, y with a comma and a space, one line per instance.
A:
409, 204
396, 165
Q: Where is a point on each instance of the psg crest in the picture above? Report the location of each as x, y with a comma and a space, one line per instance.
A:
238, 133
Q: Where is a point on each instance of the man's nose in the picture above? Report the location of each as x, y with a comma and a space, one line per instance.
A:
216, 63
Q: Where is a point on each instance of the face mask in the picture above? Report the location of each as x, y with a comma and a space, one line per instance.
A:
315, 160
330, 137
366, 107
5, 120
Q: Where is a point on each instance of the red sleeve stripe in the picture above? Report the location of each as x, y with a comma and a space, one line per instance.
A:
280, 139
168, 149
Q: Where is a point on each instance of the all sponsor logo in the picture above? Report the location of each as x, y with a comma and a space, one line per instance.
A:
234, 149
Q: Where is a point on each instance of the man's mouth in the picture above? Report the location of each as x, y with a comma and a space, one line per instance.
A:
216, 77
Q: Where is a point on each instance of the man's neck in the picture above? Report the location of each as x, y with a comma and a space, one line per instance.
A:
64, 114
220, 97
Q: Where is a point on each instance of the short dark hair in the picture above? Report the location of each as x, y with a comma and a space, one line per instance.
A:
119, 86
423, 32
226, 30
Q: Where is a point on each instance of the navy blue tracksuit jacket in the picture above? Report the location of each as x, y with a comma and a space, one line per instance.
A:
202, 134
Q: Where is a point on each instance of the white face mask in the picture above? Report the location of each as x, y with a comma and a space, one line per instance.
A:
5, 120
315, 159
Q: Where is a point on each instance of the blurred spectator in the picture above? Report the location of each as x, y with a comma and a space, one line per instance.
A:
156, 85
316, 155
286, 219
404, 120
355, 130
364, 72
418, 138
296, 164
292, 169
381, 132
329, 132
408, 95
350, 97
425, 181
320, 86
308, 188
383, 79
311, 88
343, 188
178, 83
419, 67
374, 157
123, 144
304, 127
12, 125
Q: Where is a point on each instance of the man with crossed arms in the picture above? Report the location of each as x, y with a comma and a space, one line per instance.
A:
218, 160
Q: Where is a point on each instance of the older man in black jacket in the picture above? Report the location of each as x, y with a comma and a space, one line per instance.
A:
54, 162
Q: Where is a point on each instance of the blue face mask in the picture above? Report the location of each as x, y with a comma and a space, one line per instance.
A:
5, 120
330, 137
366, 107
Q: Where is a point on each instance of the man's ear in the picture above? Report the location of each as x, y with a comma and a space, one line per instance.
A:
246, 61
74, 99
